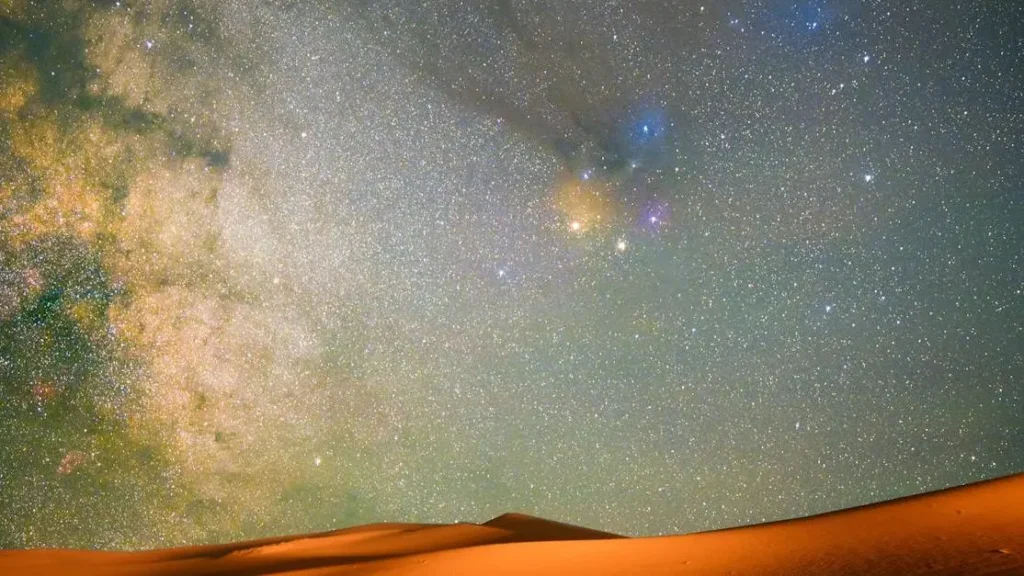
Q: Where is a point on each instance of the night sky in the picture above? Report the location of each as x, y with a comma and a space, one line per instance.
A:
648, 267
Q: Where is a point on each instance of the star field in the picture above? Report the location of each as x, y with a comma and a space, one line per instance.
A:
648, 267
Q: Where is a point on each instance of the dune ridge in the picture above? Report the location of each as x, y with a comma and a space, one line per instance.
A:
973, 529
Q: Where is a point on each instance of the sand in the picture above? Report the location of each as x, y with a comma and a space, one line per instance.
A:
975, 529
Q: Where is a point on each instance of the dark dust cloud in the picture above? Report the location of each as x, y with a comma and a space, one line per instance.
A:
649, 267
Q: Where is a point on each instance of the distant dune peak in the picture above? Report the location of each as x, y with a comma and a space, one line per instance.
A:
534, 528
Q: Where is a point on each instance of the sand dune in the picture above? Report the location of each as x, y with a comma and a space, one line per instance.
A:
975, 529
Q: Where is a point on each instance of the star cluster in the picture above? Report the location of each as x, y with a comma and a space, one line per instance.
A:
647, 267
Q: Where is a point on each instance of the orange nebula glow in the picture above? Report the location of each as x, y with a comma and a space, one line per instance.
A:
70, 462
585, 205
44, 391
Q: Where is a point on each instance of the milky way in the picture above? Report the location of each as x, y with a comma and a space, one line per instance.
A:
647, 267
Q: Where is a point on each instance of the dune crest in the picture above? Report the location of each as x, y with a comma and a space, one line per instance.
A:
974, 529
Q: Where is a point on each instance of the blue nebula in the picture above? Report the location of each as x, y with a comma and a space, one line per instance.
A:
647, 129
804, 20
644, 135
812, 15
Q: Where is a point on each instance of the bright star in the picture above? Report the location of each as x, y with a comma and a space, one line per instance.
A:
575, 225
620, 245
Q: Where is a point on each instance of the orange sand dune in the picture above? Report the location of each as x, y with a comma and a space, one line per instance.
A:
975, 529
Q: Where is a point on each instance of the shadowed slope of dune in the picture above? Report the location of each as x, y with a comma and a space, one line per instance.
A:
530, 528
975, 529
